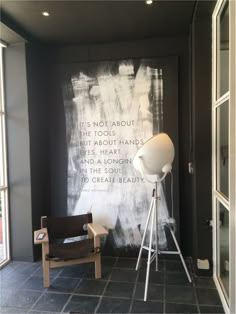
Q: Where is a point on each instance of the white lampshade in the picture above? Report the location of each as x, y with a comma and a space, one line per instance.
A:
155, 156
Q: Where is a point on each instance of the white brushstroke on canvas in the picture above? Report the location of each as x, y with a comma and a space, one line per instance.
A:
120, 97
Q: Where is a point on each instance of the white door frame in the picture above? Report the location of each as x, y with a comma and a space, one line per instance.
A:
232, 151
230, 204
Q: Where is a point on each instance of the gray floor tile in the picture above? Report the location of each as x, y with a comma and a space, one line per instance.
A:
52, 302
53, 271
208, 297
156, 277
106, 272
81, 304
180, 294
62, 284
120, 274
178, 308
12, 310
41, 312
91, 287
19, 298
175, 266
161, 265
114, 305
108, 261
126, 263
179, 278
205, 282
119, 289
8, 268
155, 292
204, 309
77, 271
13, 282
147, 307
25, 269
33, 283
170, 257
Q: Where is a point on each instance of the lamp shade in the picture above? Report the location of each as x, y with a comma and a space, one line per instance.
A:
155, 156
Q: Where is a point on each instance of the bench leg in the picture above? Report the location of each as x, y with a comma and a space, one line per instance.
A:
97, 263
46, 276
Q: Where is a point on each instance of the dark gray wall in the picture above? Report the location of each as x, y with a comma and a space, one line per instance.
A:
38, 108
201, 97
18, 153
47, 140
48, 137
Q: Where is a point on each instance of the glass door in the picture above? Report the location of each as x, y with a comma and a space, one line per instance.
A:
223, 152
4, 221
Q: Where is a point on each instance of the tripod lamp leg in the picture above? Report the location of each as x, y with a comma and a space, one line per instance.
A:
181, 256
149, 252
144, 234
156, 232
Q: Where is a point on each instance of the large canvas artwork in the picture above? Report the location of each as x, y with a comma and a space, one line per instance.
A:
111, 109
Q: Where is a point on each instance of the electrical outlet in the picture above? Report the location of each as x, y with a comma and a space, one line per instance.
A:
203, 264
226, 263
190, 167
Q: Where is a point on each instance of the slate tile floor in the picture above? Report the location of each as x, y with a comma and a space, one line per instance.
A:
74, 289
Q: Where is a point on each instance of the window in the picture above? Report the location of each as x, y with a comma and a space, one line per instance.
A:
4, 221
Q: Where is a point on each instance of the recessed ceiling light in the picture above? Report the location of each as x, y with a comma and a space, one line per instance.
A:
148, 2
45, 13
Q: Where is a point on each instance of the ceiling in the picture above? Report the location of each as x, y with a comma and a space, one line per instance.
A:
84, 22
7, 35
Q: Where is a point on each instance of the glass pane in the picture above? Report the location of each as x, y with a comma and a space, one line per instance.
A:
223, 247
223, 51
1, 152
222, 153
1, 80
3, 238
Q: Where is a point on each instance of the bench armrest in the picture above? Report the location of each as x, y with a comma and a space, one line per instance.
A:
97, 230
41, 236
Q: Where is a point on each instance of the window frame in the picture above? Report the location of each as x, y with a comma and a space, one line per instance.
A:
228, 203
4, 167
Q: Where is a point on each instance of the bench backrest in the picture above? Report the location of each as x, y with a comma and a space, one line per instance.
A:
66, 227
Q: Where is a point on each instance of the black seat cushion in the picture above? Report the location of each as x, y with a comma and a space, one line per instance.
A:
72, 250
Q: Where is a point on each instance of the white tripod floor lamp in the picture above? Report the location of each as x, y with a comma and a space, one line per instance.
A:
154, 160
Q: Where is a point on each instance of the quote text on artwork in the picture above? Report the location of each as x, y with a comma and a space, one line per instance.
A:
107, 149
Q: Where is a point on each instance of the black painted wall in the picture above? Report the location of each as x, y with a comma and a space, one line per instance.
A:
39, 133
48, 165
67, 56
201, 119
